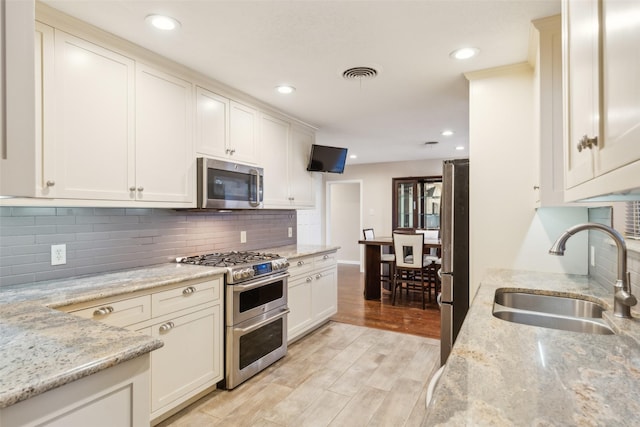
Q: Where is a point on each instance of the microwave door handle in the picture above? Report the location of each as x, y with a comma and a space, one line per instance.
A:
256, 202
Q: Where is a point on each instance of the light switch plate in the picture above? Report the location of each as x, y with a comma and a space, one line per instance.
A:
243, 237
58, 254
290, 232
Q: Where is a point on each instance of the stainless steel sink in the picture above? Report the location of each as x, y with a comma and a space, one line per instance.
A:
550, 311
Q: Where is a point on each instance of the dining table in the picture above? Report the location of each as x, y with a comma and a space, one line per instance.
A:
372, 250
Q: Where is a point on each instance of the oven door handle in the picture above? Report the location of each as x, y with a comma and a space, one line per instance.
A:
253, 285
260, 324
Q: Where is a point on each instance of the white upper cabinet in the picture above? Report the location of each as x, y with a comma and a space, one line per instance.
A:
274, 153
93, 120
284, 154
243, 123
301, 180
164, 145
621, 74
225, 129
602, 88
212, 123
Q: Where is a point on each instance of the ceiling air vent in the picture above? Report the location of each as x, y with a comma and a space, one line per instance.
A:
360, 73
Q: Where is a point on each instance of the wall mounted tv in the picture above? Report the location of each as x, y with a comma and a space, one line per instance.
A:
327, 159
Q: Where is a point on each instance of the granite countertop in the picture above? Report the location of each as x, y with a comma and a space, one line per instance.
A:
42, 348
504, 374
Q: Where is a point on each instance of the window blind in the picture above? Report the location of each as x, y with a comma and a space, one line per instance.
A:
632, 221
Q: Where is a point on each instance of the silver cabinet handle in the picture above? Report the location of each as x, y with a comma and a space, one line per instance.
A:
140, 188
586, 142
325, 257
50, 183
309, 279
132, 188
300, 263
318, 276
103, 310
166, 327
188, 291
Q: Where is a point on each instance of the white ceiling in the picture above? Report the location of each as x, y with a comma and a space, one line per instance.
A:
253, 46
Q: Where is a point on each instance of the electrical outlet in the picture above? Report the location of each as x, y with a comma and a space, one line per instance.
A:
290, 232
592, 258
58, 254
243, 237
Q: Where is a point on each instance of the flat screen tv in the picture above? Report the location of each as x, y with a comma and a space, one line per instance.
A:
327, 159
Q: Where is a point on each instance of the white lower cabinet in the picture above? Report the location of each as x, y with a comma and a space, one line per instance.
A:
117, 396
188, 318
190, 360
313, 293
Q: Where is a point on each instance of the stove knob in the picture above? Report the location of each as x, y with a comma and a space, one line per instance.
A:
237, 275
248, 272
251, 272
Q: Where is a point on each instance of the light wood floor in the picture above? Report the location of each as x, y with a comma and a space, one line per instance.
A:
357, 370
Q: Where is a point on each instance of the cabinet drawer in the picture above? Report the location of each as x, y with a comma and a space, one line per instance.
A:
300, 266
325, 260
184, 297
119, 313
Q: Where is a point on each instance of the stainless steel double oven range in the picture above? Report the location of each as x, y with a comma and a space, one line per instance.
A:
255, 310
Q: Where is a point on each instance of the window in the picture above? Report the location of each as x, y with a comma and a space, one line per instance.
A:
632, 222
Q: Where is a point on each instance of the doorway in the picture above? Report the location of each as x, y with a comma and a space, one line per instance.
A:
344, 219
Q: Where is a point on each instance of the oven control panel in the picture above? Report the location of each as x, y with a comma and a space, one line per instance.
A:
257, 270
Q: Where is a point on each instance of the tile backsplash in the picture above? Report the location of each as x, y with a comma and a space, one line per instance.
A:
605, 268
99, 240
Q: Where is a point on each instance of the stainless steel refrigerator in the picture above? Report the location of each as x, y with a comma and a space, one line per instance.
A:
454, 233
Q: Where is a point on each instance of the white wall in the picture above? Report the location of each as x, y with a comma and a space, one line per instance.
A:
344, 224
505, 229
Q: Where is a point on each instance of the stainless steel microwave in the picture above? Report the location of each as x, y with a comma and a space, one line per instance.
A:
227, 185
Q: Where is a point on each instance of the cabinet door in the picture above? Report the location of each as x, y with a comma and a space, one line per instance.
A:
164, 146
324, 295
212, 123
242, 132
301, 181
93, 112
274, 143
621, 85
581, 36
190, 359
299, 301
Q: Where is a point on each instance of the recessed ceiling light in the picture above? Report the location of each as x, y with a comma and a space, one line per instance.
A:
459, 148
464, 53
353, 156
447, 132
162, 22
285, 89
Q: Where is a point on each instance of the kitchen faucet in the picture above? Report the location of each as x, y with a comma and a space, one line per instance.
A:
623, 299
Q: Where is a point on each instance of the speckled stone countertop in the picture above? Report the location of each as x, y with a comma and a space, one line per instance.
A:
42, 348
501, 373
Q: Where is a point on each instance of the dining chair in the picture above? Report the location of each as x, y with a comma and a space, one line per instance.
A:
385, 259
414, 268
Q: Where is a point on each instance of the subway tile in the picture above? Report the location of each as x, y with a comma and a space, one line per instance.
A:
74, 211
62, 273
7, 261
17, 280
72, 229
138, 211
25, 231
55, 238
109, 211
55, 220
5, 211
17, 240
92, 236
17, 221
32, 211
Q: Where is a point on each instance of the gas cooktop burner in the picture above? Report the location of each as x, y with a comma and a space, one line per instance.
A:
229, 259
241, 266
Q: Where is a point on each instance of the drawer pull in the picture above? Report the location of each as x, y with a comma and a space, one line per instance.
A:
300, 263
103, 311
188, 291
325, 257
309, 279
166, 327
318, 276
